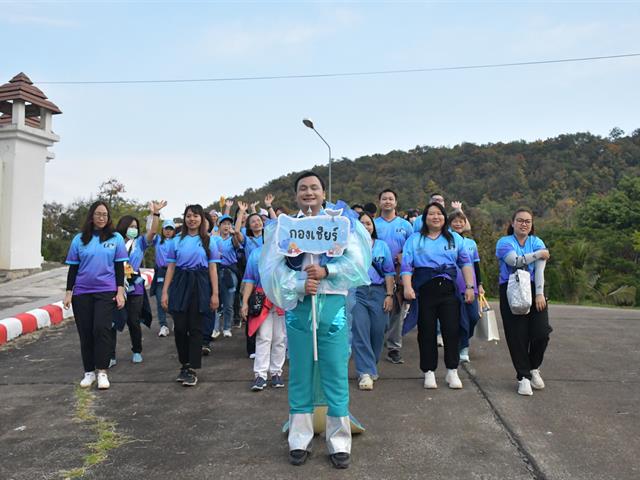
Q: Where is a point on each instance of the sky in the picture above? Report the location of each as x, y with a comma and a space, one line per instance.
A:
193, 142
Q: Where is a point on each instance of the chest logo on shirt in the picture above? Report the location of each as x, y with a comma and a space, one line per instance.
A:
378, 260
109, 245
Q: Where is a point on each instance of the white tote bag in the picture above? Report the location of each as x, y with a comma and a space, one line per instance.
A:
519, 292
487, 328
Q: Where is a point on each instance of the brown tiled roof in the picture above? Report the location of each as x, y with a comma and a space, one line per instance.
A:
21, 87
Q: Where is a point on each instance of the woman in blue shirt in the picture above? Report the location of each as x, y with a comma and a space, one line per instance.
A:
95, 287
371, 311
191, 289
430, 262
469, 313
129, 228
227, 244
162, 242
527, 335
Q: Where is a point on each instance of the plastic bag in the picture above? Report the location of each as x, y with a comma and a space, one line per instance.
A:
519, 292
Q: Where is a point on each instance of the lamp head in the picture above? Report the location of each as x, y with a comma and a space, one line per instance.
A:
308, 123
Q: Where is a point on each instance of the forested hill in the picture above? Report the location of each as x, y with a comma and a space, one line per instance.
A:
547, 175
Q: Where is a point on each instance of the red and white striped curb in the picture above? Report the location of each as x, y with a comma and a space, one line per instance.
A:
44, 317
32, 320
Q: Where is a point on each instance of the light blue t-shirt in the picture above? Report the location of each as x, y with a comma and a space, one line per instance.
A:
227, 250
510, 244
188, 253
381, 258
422, 251
251, 273
136, 256
96, 260
162, 249
417, 224
251, 244
393, 233
472, 249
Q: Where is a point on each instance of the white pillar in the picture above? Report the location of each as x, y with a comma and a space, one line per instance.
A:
23, 155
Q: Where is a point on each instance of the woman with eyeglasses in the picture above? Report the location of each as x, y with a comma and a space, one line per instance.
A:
527, 335
95, 288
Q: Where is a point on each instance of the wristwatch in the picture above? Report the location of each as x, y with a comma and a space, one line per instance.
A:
470, 287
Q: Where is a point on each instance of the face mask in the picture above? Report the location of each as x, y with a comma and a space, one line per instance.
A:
132, 233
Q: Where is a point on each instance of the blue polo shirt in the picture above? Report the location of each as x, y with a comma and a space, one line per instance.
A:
422, 251
381, 258
96, 263
251, 273
510, 244
251, 244
393, 233
188, 253
227, 250
471, 247
162, 250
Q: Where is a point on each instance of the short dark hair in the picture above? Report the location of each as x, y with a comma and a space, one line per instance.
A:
387, 190
370, 208
305, 175
210, 221
356, 205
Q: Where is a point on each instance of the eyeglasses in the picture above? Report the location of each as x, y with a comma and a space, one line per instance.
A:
522, 221
101, 215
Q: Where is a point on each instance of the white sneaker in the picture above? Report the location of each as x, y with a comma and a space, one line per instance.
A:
164, 331
440, 341
252, 356
452, 379
464, 355
524, 387
215, 334
112, 363
226, 333
103, 381
430, 380
88, 380
366, 382
536, 380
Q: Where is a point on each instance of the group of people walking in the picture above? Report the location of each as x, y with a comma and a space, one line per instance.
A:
395, 274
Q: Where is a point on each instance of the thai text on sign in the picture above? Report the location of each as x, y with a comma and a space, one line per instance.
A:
323, 234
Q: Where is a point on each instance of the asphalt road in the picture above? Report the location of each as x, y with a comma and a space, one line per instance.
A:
584, 425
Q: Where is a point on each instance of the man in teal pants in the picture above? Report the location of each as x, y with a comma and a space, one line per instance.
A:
290, 283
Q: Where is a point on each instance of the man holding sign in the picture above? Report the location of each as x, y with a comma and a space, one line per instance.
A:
307, 264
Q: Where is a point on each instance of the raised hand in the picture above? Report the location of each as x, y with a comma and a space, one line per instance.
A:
456, 205
243, 206
268, 200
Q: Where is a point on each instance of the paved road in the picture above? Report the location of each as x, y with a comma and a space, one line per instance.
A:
584, 425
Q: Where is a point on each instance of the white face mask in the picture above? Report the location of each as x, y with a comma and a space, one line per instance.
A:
132, 233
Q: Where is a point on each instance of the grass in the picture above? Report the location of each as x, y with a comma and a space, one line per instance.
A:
107, 438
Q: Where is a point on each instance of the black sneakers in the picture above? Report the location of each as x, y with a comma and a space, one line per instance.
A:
190, 379
183, 375
340, 460
394, 357
206, 350
298, 457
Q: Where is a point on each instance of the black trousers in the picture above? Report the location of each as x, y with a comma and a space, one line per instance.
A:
527, 335
93, 313
188, 333
251, 340
134, 309
437, 300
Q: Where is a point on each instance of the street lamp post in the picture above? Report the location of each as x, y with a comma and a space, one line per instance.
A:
309, 123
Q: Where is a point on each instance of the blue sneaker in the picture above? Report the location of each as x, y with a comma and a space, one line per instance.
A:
276, 381
258, 384
137, 358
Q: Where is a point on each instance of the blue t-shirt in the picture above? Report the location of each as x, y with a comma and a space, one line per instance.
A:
136, 255
250, 244
472, 249
162, 249
417, 223
188, 253
510, 244
393, 233
251, 273
422, 251
96, 260
381, 258
227, 251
